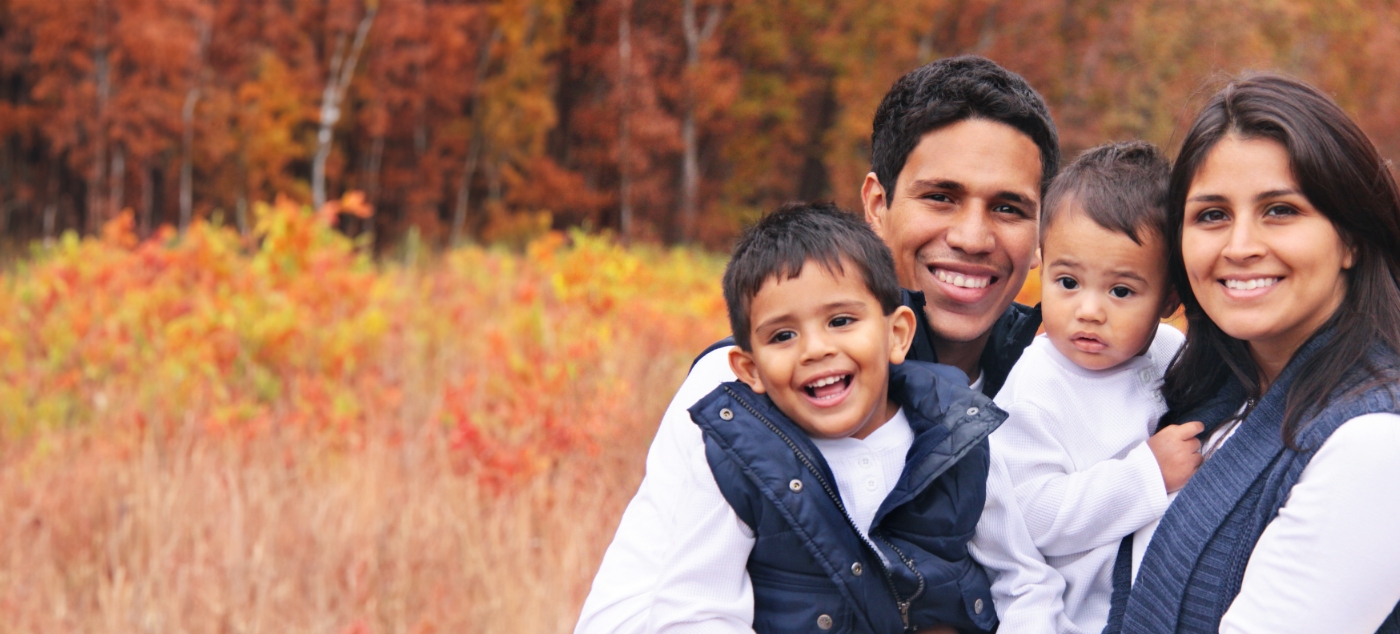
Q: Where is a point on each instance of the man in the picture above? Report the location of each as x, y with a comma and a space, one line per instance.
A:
961, 153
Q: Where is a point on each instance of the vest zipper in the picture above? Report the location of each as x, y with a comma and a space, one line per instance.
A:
899, 601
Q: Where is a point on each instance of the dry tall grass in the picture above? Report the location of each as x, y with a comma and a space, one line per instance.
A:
458, 468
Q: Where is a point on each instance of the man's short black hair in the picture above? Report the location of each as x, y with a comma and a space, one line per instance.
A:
782, 242
1120, 186
950, 90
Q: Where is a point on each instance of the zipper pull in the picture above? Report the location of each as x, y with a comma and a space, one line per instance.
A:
904, 613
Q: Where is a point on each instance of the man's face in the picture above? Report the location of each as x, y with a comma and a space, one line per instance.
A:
962, 222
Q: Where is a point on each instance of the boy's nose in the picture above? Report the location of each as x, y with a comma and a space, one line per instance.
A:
818, 346
1090, 310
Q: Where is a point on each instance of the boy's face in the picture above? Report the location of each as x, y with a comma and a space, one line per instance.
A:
821, 350
1103, 294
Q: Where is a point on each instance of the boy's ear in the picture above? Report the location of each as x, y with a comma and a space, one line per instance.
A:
745, 368
902, 325
1173, 302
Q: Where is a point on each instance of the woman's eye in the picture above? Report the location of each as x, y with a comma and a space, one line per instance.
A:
781, 336
1067, 283
842, 321
1280, 210
1120, 292
1211, 215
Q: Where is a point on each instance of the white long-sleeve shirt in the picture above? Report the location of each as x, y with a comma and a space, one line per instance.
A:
1080, 469
1330, 560
678, 513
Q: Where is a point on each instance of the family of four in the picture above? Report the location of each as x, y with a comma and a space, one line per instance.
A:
887, 445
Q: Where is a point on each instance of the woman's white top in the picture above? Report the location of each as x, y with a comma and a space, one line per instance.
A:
1080, 469
1330, 560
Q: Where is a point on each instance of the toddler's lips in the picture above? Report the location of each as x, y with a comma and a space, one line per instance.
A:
828, 391
1088, 343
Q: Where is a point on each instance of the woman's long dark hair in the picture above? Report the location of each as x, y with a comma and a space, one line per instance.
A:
1340, 172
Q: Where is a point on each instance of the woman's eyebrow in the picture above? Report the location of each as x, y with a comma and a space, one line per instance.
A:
1207, 198
1275, 193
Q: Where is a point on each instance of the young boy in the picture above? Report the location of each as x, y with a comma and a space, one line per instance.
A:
841, 484
1084, 398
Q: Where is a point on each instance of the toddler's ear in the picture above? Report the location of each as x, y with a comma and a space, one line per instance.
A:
1173, 302
745, 368
902, 325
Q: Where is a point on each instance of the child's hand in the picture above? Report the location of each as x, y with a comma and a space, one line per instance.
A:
1178, 453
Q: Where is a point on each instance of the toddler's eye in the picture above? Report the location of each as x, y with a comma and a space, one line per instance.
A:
1120, 292
838, 322
781, 336
1067, 283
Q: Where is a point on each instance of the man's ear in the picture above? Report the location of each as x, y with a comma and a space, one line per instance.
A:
746, 369
902, 325
872, 195
1173, 302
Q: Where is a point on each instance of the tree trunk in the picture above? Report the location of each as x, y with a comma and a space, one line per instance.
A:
624, 128
341, 71
477, 142
187, 160
690, 161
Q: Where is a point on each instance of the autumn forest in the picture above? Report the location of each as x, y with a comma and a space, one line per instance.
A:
664, 120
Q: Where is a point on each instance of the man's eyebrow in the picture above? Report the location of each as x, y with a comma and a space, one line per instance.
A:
923, 185
1015, 197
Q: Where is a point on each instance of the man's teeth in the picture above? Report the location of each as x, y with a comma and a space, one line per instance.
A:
965, 281
826, 381
1249, 285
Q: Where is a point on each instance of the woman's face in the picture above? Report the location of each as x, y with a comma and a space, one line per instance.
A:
1266, 265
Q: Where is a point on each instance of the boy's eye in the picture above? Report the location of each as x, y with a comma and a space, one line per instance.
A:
1120, 292
781, 336
1067, 283
838, 322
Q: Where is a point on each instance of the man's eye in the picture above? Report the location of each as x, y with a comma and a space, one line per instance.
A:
1120, 292
842, 321
1009, 209
1067, 283
939, 198
781, 336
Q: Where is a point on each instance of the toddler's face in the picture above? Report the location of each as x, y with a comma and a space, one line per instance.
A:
821, 350
1102, 295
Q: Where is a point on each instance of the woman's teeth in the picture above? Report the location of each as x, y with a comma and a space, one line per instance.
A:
1249, 285
965, 281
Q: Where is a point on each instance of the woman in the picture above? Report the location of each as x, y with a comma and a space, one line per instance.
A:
1287, 234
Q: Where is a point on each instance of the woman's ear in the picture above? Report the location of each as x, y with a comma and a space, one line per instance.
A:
902, 325
746, 369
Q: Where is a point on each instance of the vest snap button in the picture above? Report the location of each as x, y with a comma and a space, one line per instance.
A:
857, 569
977, 606
972, 411
726, 414
824, 621
795, 485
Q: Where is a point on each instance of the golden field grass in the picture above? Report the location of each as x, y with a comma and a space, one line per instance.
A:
275, 434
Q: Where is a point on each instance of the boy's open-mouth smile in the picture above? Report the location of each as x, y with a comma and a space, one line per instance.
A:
829, 390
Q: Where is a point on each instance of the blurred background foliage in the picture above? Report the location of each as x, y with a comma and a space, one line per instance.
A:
666, 120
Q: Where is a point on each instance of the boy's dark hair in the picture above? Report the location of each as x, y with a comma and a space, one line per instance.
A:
1120, 186
950, 90
797, 233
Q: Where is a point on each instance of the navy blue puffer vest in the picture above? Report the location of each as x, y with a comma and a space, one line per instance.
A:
1193, 568
811, 568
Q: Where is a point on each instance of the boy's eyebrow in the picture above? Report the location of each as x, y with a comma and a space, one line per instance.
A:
1064, 261
851, 304
1130, 274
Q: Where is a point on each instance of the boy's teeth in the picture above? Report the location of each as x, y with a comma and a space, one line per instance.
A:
965, 281
825, 382
1249, 285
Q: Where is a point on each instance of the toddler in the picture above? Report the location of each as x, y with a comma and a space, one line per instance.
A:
1084, 468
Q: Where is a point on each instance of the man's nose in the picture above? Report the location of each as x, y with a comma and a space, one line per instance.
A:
972, 230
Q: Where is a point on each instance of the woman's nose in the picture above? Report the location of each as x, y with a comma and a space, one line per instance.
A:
1244, 243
